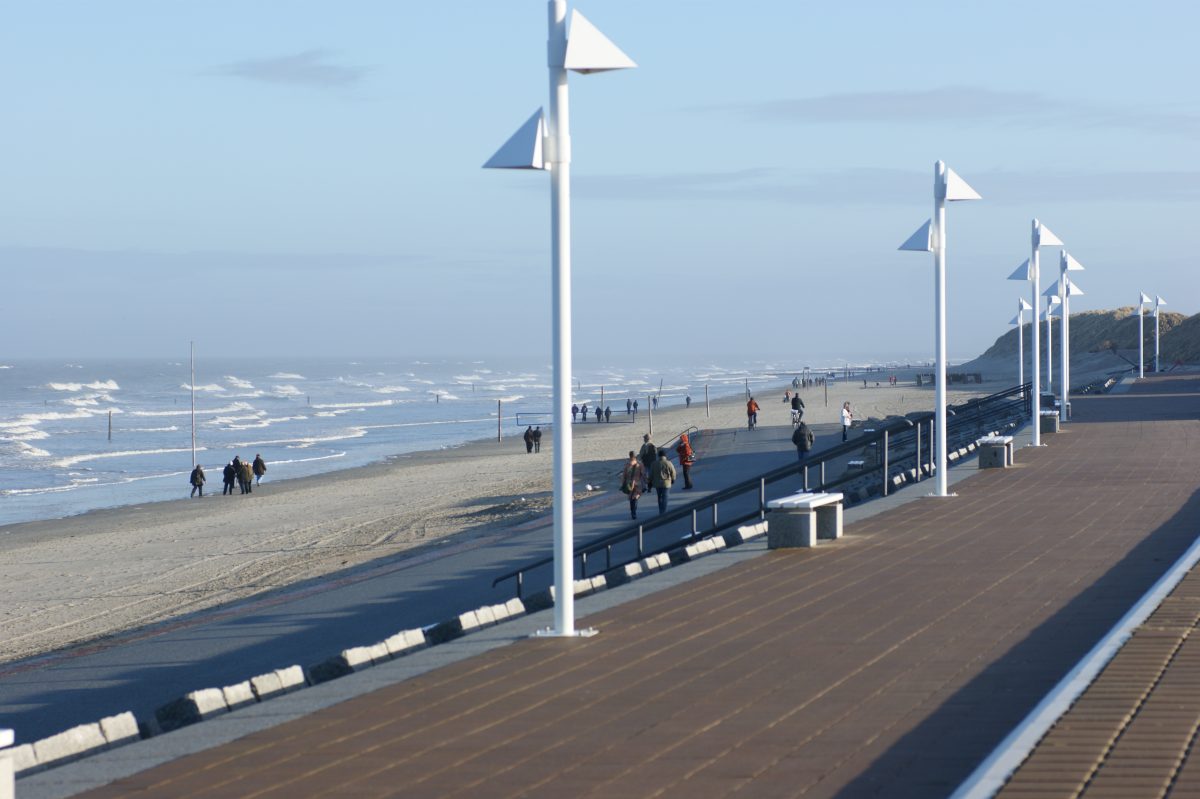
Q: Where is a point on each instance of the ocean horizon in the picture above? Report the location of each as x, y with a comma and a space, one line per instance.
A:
305, 416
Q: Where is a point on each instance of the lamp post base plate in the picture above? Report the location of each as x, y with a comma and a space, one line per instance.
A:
550, 632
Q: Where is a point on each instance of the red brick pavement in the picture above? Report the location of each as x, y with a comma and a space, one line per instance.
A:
888, 664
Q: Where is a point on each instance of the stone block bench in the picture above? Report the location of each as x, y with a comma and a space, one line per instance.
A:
1049, 422
800, 519
995, 452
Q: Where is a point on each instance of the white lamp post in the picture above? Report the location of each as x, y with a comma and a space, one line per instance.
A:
1066, 290
931, 237
1143, 301
1159, 302
1019, 321
1041, 237
1052, 302
546, 144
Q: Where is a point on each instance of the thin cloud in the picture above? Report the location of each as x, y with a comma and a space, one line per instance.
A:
969, 104
877, 186
309, 68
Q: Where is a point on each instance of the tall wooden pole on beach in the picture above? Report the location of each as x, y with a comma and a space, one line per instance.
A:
931, 237
546, 144
499, 420
192, 350
707, 409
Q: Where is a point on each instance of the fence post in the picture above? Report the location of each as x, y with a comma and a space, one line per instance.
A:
650, 410
918, 463
695, 529
885, 463
707, 410
762, 498
499, 417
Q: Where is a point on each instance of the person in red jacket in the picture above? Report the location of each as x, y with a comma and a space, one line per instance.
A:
752, 413
686, 458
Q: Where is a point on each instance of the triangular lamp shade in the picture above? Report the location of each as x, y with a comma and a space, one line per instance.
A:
1022, 305
1159, 301
1022, 272
921, 241
1073, 290
1046, 238
523, 150
1052, 291
1145, 299
1014, 321
1071, 264
589, 50
957, 188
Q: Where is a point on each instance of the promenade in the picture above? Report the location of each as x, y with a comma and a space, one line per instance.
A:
888, 664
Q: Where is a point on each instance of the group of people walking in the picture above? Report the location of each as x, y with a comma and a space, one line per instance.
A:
533, 439
246, 474
600, 414
651, 467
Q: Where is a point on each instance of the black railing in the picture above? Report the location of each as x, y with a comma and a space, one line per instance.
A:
889, 453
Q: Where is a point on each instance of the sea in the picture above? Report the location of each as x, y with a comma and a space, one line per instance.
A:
81, 435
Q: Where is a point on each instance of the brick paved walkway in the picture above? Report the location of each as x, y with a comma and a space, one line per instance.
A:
888, 664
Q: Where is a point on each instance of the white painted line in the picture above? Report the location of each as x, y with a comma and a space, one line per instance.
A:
993, 772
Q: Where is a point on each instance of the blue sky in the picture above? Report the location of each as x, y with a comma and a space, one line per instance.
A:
310, 172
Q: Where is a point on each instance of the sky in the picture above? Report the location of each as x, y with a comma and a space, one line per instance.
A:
282, 178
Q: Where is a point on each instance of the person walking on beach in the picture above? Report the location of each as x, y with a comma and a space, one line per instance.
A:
607, 414
847, 419
197, 480
803, 439
529, 439
259, 468
228, 475
537, 439
628, 406
687, 401
686, 458
583, 411
632, 478
647, 455
574, 413
246, 478
662, 476
751, 412
599, 414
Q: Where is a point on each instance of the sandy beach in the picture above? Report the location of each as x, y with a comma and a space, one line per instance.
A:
84, 578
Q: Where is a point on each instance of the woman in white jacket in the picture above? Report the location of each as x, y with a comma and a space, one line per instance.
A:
847, 418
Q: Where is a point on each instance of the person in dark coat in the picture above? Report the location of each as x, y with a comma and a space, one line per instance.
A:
633, 476
628, 406
574, 412
662, 476
599, 414
608, 413
246, 478
197, 480
647, 455
259, 467
803, 438
583, 411
529, 439
229, 475
537, 439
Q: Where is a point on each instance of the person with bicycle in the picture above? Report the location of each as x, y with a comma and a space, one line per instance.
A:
797, 409
751, 413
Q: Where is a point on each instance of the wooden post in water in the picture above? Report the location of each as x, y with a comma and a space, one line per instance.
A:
499, 433
707, 410
650, 411
601, 398
110, 425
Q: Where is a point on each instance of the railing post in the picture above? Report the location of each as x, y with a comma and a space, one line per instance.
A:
520, 584
607, 557
762, 498
806, 478
694, 528
822, 475
885, 463
714, 527
641, 547
582, 565
918, 463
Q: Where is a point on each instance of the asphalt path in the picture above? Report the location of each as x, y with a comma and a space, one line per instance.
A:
307, 623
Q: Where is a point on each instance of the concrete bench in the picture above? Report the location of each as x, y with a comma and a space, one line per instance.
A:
1049, 422
6, 764
995, 452
800, 519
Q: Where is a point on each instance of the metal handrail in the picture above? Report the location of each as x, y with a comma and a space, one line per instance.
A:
892, 439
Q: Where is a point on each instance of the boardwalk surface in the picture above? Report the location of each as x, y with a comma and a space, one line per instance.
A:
888, 664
